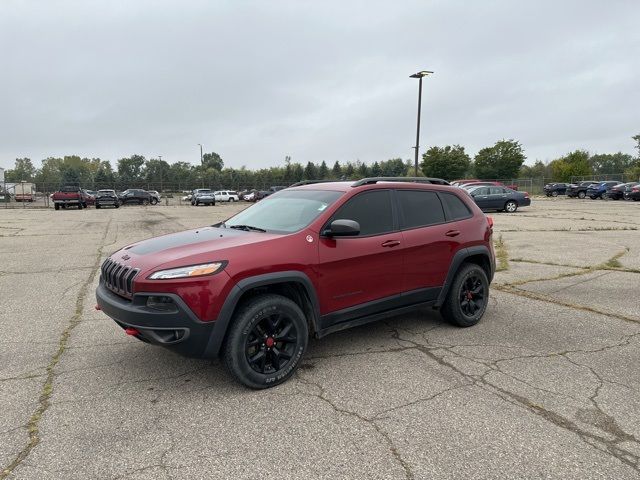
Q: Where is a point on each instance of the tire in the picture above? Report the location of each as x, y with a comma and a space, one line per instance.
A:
510, 206
230, 199
154, 201
97, 206
145, 202
56, 206
196, 204
554, 194
79, 205
581, 195
454, 309
268, 317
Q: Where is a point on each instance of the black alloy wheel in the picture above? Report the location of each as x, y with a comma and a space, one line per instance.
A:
271, 343
467, 297
266, 341
471, 295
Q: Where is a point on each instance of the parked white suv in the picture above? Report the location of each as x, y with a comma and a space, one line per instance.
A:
226, 196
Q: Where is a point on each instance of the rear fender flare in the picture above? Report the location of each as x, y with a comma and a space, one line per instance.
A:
458, 259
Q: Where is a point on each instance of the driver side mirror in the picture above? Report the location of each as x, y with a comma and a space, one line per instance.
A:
342, 228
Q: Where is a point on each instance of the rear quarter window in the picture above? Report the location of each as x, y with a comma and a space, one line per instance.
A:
419, 208
454, 207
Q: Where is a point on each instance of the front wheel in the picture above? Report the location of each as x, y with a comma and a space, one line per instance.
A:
510, 206
581, 195
266, 341
554, 194
56, 206
154, 201
468, 295
231, 200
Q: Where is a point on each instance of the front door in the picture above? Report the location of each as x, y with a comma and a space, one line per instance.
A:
359, 275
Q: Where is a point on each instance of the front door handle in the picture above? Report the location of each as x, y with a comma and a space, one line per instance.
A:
452, 233
391, 243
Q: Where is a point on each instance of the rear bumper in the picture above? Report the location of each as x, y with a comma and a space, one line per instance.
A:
107, 201
177, 329
525, 202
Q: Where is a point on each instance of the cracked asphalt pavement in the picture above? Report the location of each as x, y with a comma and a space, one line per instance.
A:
547, 385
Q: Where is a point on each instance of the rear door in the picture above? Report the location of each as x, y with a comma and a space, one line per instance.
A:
429, 243
359, 274
497, 197
481, 197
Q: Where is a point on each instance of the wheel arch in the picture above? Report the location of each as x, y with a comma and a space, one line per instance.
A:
478, 254
290, 284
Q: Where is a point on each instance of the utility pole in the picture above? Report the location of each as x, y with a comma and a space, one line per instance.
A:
419, 76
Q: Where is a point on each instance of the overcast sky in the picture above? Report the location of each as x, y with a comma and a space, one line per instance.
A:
316, 80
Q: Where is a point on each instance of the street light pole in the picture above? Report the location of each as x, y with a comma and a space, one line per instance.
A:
419, 76
201, 161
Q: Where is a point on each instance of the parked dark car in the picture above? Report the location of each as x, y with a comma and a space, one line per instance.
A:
555, 189
107, 198
619, 192
499, 198
137, 196
579, 189
601, 189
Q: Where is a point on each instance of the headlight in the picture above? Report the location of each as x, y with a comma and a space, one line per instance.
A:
189, 271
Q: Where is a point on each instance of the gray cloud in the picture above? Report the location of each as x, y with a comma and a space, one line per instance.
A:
255, 81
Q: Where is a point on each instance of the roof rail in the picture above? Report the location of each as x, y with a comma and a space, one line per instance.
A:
371, 180
310, 182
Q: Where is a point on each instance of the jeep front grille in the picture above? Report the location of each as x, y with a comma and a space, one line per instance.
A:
118, 278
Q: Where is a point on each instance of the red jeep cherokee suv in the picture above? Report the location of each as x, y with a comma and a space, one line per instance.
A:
308, 260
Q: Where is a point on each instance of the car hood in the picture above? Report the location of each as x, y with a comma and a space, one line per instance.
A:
187, 248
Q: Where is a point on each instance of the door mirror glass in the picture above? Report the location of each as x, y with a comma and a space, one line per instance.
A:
342, 228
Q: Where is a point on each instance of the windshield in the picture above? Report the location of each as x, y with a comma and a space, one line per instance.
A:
286, 211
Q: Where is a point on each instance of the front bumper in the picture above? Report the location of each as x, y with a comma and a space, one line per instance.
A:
177, 328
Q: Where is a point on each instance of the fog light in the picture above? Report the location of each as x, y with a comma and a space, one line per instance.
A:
161, 302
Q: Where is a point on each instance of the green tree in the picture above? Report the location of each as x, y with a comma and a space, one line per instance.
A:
213, 160
130, 168
362, 170
607, 163
449, 163
297, 172
310, 171
376, 170
574, 164
336, 171
538, 169
349, 171
323, 171
23, 170
156, 172
104, 176
503, 160
393, 167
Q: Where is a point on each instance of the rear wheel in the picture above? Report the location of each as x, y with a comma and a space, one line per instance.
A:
266, 341
510, 206
154, 201
56, 206
97, 206
79, 205
230, 199
554, 194
468, 295
581, 194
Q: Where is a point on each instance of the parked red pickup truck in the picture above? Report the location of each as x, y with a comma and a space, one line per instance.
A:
69, 196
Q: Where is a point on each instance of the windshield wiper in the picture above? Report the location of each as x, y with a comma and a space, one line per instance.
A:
247, 228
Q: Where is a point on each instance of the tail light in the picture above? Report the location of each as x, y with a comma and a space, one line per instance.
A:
490, 222
635, 189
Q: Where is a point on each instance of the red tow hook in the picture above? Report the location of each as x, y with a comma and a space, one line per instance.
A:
97, 307
131, 331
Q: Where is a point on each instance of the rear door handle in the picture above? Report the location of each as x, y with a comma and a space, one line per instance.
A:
452, 233
391, 243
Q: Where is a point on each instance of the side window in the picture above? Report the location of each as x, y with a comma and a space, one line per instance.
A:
482, 191
454, 208
372, 210
496, 191
419, 208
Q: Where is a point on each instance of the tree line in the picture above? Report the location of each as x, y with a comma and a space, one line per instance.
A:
504, 160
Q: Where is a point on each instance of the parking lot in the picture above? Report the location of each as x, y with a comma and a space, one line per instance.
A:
547, 385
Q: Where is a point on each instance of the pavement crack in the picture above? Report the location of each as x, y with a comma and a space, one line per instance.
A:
44, 401
409, 475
